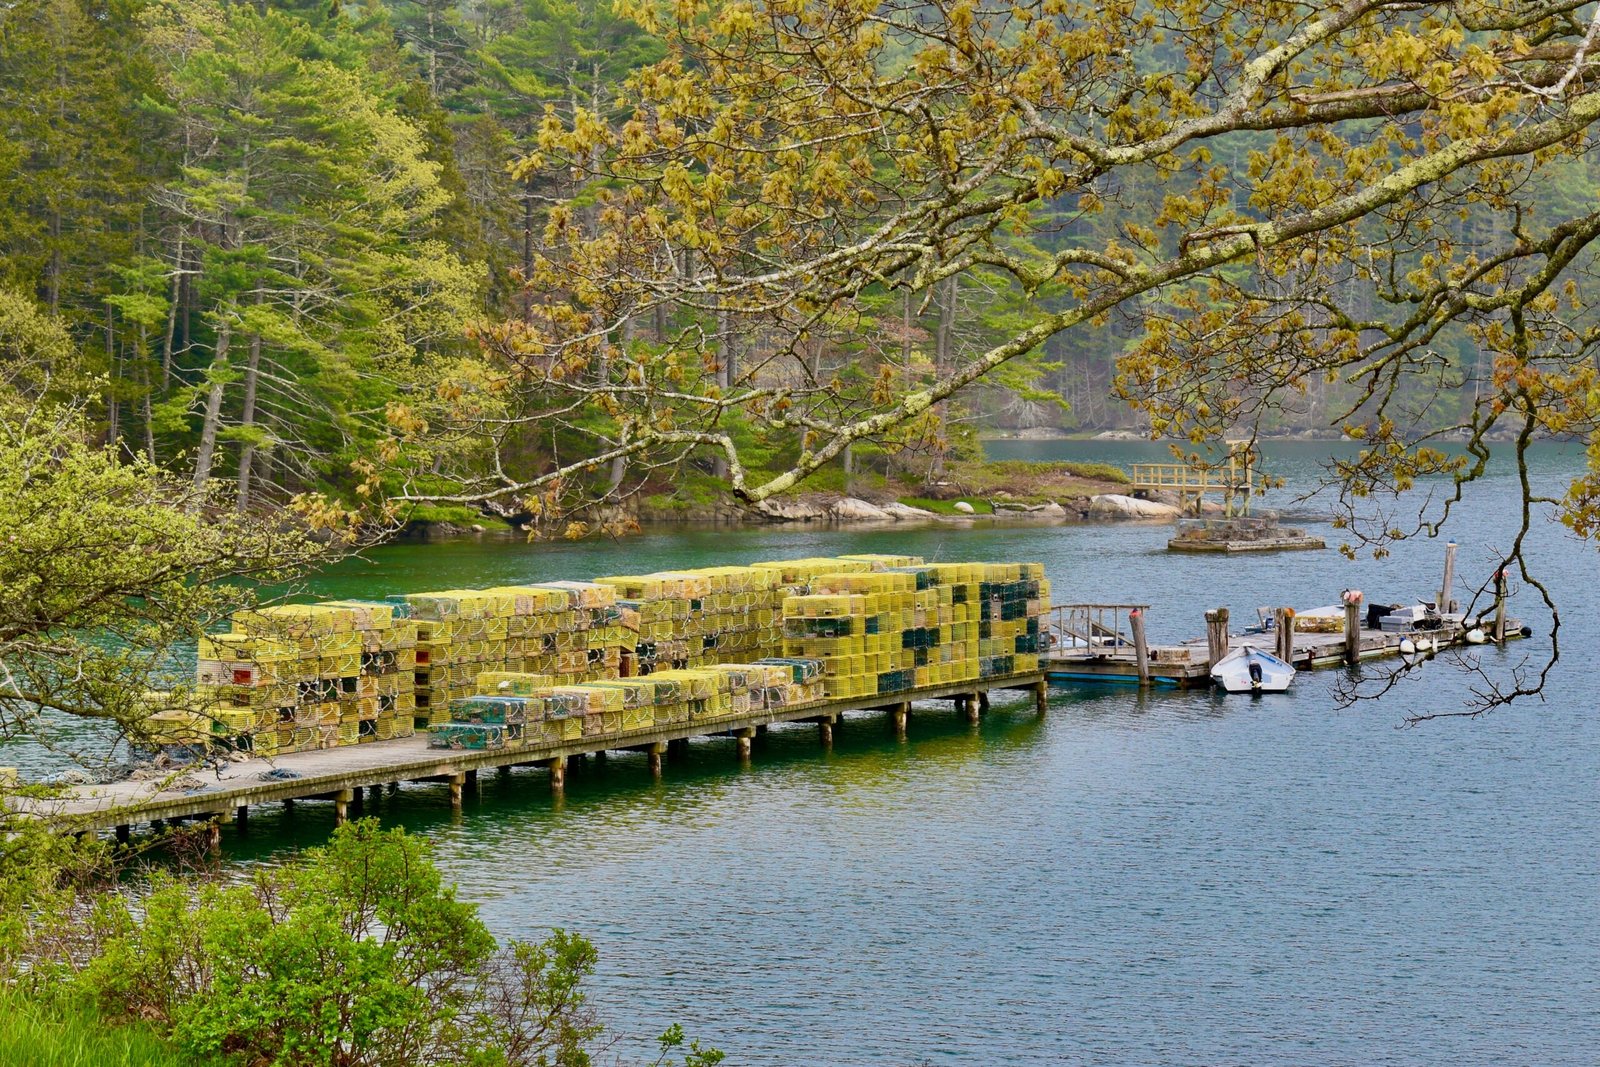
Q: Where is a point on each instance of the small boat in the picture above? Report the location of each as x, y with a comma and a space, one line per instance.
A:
1250, 670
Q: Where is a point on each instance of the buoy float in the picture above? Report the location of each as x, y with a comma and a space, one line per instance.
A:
1476, 636
1408, 647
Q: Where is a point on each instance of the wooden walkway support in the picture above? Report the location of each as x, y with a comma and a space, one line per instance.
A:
337, 773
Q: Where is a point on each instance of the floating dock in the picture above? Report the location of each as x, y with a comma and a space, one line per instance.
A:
340, 774
1100, 643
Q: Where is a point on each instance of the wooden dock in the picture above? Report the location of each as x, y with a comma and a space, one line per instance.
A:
340, 774
1110, 653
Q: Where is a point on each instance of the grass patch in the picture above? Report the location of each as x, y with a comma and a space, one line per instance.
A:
38, 1034
457, 514
946, 507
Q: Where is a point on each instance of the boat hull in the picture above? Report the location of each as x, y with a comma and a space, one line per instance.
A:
1250, 670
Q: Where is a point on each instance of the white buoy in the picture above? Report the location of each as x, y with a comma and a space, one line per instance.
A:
1476, 636
1408, 647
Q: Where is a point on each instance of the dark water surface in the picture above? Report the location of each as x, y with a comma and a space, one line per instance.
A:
1173, 878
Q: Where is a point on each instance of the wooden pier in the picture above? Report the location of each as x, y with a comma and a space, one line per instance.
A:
340, 774
1112, 648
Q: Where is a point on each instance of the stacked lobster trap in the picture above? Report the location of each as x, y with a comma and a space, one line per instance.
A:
560, 661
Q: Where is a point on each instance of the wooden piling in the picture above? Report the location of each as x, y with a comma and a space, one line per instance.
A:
341, 807
1283, 624
241, 817
1041, 696
1500, 606
983, 701
457, 781
471, 783
1216, 635
374, 793
654, 754
825, 732
899, 714
124, 833
1447, 587
744, 738
1352, 626
678, 749
558, 773
969, 704
214, 834
1141, 650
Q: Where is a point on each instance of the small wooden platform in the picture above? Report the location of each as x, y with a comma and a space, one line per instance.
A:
1265, 544
337, 773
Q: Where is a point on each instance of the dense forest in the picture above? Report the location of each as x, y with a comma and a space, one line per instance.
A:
277, 231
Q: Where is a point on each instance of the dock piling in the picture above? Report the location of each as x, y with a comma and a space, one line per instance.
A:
341, 806
457, 781
1447, 587
898, 716
558, 773
1500, 606
983, 701
124, 833
1041, 696
1216, 635
214, 834
1141, 650
969, 704
1283, 627
241, 817
744, 738
825, 732
1352, 626
655, 753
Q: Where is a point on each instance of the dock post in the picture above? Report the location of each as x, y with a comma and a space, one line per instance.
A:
969, 704
898, 714
471, 784
600, 756
124, 833
558, 773
288, 805
1141, 650
678, 749
341, 807
1041, 696
825, 732
1352, 626
214, 834
1217, 635
744, 737
656, 751
1283, 627
157, 825
456, 782
241, 817
983, 701
357, 804
1500, 606
374, 793
1447, 587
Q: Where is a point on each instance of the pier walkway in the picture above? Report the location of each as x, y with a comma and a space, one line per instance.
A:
338, 774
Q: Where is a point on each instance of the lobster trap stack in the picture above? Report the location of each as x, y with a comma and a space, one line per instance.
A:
294, 678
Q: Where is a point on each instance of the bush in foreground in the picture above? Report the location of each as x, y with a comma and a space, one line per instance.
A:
357, 955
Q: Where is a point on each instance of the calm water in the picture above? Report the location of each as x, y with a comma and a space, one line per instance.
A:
1175, 878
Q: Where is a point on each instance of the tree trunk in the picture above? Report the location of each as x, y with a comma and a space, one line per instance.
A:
172, 317
725, 373
213, 417
114, 372
247, 418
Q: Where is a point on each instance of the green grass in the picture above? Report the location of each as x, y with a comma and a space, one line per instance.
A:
946, 507
36, 1034
459, 514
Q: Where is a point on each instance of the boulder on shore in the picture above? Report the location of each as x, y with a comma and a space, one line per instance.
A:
1126, 508
965, 508
791, 509
900, 512
1049, 510
854, 509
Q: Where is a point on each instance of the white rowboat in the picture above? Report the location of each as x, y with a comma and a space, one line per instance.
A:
1250, 670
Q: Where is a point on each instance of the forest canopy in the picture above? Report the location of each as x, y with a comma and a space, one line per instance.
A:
524, 255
